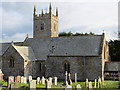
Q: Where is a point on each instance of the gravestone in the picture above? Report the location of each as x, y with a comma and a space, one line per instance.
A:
10, 80
14, 85
68, 87
30, 78
38, 80
25, 80
95, 83
22, 79
78, 87
18, 79
87, 83
50, 79
55, 80
90, 86
69, 79
66, 82
75, 77
32, 85
48, 84
99, 83
1, 75
43, 80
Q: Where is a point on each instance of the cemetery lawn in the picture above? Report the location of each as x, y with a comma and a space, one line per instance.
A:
107, 84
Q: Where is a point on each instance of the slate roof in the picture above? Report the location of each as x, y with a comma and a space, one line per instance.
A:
65, 46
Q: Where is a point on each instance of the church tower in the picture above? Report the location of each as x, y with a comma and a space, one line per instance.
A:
45, 24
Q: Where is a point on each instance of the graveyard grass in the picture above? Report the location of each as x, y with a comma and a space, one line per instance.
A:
107, 84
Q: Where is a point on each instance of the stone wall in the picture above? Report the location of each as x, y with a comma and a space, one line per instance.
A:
18, 68
85, 67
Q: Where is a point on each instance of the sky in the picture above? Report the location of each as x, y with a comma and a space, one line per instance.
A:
16, 17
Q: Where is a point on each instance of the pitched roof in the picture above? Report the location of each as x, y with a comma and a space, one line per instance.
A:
65, 46
26, 52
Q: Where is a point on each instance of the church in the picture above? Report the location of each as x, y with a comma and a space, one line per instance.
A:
47, 54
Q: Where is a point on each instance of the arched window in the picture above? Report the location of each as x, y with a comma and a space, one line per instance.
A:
11, 64
42, 26
40, 66
67, 67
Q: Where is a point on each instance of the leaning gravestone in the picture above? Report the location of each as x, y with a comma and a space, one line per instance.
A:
30, 78
78, 87
55, 80
10, 80
87, 83
68, 87
18, 79
48, 84
22, 79
90, 85
38, 80
32, 85
43, 80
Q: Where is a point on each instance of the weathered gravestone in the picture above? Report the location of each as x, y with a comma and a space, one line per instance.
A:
99, 83
87, 83
50, 79
95, 83
78, 87
75, 77
69, 79
90, 86
32, 85
18, 79
68, 87
30, 78
38, 80
22, 79
66, 82
10, 80
14, 86
48, 84
25, 80
55, 80
43, 80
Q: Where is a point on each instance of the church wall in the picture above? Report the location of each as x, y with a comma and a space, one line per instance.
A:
18, 68
85, 67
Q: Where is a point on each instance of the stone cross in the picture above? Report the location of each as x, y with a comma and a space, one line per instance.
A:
68, 87
87, 83
43, 80
75, 77
55, 80
32, 85
30, 78
90, 85
95, 83
38, 80
78, 87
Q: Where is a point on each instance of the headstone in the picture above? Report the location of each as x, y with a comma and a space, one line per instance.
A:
90, 85
22, 79
69, 79
68, 87
30, 78
1, 75
87, 83
32, 85
95, 83
18, 79
38, 80
75, 77
25, 80
14, 85
48, 84
43, 80
10, 80
66, 82
78, 87
50, 79
55, 80
99, 83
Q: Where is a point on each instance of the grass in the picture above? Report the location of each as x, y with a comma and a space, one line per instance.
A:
107, 84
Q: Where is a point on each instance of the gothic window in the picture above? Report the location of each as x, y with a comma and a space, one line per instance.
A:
40, 66
11, 64
42, 26
67, 67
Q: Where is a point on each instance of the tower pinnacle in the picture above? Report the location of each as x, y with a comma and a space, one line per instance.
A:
56, 11
50, 9
34, 10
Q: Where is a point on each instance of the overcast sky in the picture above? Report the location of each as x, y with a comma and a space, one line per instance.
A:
85, 16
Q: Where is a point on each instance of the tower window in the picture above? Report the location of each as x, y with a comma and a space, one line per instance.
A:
11, 64
42, 26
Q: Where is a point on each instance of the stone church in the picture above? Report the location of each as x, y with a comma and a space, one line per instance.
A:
47, 54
